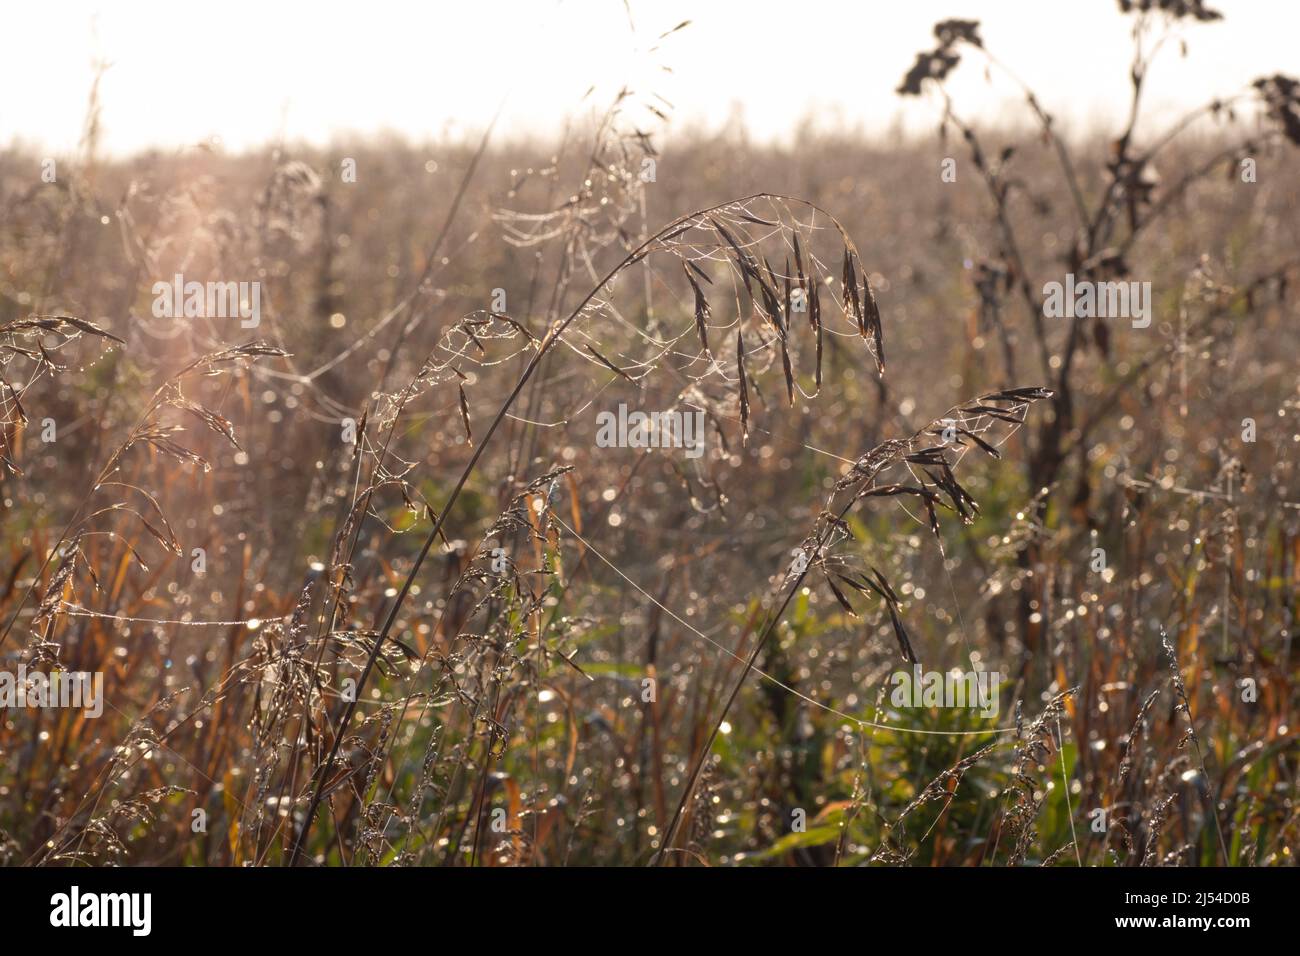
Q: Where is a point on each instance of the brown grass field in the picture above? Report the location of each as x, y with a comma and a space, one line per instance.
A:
364, 588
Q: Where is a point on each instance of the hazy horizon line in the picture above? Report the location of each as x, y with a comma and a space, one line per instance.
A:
691, 133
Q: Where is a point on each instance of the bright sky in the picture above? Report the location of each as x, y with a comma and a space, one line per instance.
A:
248, 72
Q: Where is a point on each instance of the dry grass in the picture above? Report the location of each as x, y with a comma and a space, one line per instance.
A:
473, 636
